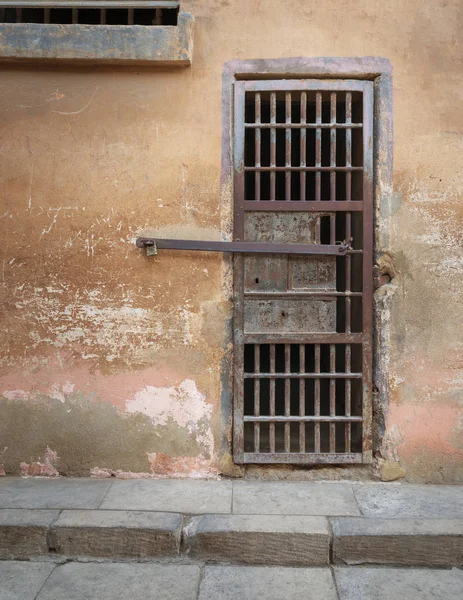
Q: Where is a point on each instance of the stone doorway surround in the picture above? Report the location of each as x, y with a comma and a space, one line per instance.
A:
379, 71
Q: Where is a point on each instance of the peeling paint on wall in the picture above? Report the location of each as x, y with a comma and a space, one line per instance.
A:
42, 467
183, 405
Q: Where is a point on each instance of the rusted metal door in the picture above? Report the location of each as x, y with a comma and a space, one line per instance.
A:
303, 323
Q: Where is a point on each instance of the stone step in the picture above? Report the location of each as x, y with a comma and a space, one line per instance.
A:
23, 533
259, 539
116, 533
284, 540
92, 533
408, 542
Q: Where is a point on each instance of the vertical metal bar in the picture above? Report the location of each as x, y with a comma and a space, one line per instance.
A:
318, 230
46, 15
317, 399
348, 399
288, 146
333, 146
272, 399
102, 16
333, 228
287, 397
273, 144
238, 364
75, 16
257, 133
238, 160
333, 164
257, 397
238, 273
348, 259
130, 16
19, 15
332, 398
318, 144
303, 144
348, 146
158, 16
367, 257
302, 398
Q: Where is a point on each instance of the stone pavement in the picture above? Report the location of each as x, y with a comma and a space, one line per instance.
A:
147, 581
76, 539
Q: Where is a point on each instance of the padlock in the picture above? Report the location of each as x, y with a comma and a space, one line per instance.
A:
151, 250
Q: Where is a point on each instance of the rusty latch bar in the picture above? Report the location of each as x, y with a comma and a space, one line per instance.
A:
153, 244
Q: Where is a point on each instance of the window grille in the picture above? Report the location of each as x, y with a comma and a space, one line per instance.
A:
91, 13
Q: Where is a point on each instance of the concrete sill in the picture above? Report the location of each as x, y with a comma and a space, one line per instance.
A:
99, 44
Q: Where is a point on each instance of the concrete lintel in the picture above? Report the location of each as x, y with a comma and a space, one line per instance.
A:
102, 44
365, 67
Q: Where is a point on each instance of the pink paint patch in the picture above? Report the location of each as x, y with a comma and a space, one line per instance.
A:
425, 427
58, 381
2, 471
15, 394
44, 468
183, 466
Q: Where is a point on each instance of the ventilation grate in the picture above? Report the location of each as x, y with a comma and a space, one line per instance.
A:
91, 13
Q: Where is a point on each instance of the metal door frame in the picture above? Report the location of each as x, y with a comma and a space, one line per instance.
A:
368, 69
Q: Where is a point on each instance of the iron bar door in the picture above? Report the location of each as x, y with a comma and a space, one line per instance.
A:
303, 168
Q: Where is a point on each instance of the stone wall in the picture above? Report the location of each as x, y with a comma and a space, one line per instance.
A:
114, 363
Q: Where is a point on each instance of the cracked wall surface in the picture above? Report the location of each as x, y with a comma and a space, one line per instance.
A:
113, 363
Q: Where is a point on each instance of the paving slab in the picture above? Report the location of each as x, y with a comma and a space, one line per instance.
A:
121, 581
22, 580
269, 583
424, 542
310, 499
116, 533
405, 501
377, 583
52, 493
23, 532
180, 496
259, 539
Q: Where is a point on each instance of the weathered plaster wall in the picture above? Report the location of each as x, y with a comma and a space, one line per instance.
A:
117, 362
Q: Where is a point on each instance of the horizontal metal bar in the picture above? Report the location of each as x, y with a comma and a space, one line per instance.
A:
304, 419
252, 337
301, 295
299, 168
90, 4
289, 296
302, 125
302, 375
303, 205
244, 247
302, 458
316, 85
